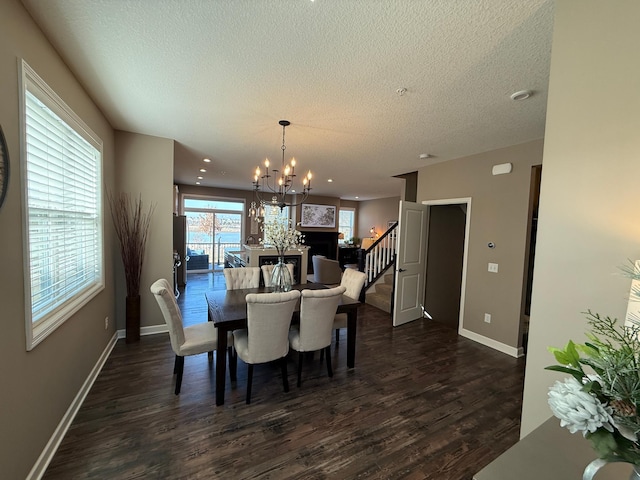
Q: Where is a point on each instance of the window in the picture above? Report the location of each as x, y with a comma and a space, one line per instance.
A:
346, 220
62, 165
272, 213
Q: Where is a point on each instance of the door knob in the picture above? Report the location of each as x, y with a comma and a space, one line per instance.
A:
400, 270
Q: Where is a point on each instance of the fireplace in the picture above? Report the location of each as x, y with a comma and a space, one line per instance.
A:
320, 243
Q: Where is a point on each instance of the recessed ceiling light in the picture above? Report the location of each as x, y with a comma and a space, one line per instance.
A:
200, 178
206, 160
197, 183
357, 198
203, 170
329, 180
521, 95
424, 156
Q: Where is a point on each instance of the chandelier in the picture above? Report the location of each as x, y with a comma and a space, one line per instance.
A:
272, 186
256, 211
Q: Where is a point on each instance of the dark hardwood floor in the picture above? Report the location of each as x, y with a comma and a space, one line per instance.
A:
421, 403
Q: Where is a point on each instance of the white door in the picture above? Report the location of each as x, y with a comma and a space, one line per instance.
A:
410, 262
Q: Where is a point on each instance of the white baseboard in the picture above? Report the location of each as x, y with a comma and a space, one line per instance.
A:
490, 342
151, 330
50, 449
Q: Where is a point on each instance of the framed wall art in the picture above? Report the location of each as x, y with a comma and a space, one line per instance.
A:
318, 216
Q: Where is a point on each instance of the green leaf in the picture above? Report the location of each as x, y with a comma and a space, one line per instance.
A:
567, 356
603, 442
577, 374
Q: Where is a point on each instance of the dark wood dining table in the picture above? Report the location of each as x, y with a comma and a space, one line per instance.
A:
228, 311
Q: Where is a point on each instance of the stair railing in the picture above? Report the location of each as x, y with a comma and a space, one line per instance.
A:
380, 256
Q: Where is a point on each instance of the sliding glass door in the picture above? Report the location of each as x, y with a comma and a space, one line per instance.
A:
213, 225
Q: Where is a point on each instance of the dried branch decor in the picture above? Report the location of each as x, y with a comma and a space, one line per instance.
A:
131, 221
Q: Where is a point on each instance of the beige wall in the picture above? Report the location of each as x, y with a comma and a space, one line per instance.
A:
38, 386
588, 206
499, 214
376, 213
144, 166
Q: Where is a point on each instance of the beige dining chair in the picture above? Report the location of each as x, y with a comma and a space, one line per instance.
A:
243, 277
267, 270
192, 340
266, 337
317, 311
353, 281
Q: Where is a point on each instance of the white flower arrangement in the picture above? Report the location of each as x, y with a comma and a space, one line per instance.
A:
279, 234
605, 405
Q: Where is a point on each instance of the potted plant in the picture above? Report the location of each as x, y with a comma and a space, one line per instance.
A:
131, 221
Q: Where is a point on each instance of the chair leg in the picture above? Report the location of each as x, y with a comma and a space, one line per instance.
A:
285, 376
300, 357
233, 364
329, 369
321, 355
175, 365
179, 366
249, 381
337, 336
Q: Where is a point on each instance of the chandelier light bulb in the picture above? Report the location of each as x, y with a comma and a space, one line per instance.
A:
293, 162
266, 162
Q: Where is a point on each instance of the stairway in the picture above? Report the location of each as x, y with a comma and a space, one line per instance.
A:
379, 295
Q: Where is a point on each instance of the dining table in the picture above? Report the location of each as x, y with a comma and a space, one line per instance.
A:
227, 309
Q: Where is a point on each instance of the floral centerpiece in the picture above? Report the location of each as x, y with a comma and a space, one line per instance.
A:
602, 403
279, 234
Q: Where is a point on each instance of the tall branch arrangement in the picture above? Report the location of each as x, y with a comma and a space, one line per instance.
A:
131, 221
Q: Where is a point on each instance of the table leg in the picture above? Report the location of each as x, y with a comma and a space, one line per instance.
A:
221, 366
352, 326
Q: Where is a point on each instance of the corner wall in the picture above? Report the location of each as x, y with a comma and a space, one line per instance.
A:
499, 214
377, 213
588, 203
144, 166
39, 386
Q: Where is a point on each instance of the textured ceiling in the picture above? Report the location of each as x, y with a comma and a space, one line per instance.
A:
217, 76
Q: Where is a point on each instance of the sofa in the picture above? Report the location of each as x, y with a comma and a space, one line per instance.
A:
197, 260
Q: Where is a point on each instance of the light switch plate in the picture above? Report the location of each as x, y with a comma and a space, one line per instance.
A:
493, 267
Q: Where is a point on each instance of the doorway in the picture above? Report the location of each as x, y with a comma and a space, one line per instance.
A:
447, 249
213, 226
445, 254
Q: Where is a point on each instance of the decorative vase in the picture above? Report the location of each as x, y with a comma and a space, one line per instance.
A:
132, 319
281, 277
598, 463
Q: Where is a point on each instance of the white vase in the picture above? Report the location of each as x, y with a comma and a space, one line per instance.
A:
598, 463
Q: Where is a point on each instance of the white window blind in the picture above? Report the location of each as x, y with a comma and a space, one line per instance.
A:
63, 215
346, 220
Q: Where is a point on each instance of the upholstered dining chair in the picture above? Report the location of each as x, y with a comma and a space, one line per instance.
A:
317, 311
353, 281
192, 340
243, 277
266, 337
267, 270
